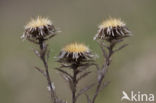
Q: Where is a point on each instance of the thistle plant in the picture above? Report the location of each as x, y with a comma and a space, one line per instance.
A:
38, 31
111, 32
77, 57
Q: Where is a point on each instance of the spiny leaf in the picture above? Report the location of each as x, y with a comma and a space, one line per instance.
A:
83, 75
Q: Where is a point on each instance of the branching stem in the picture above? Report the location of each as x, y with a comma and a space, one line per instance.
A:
104, 69
42, 56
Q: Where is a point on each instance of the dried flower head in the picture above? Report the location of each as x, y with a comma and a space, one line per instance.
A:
112, 29
39, 29
75, 53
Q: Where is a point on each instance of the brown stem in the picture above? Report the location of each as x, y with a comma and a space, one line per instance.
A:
42, 56
41, 43
104, 71
74, 80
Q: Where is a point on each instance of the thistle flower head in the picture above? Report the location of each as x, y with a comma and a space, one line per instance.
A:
75, 52
39, 29
34, 23
76, 48
112, 29
112, 23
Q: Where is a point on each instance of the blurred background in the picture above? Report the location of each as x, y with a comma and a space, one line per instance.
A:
133, 68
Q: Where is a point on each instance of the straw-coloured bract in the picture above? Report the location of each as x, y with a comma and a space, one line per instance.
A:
39, 29
75, 52
112, 29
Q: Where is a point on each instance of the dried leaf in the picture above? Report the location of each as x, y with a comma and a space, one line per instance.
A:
88, 99
37, 52
121, 47
31, 40
87, 65
58, 100
41, 71
83, 75
68, 79
85, 89
64, 72
102, 45
104, 85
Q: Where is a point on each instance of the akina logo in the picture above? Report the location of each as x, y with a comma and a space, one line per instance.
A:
137, 97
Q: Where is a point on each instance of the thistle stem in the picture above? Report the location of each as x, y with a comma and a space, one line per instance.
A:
74, 80
104, 70
42, 56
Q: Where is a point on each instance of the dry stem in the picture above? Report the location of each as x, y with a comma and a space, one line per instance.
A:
43, 51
